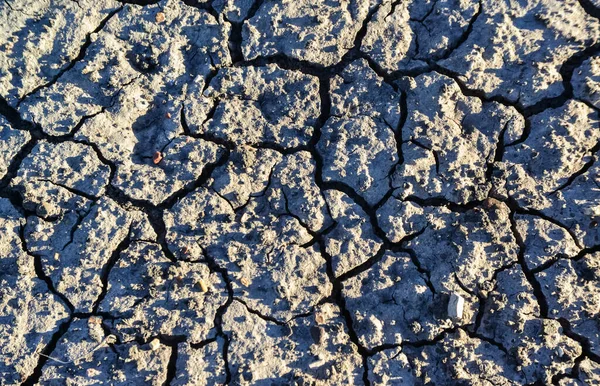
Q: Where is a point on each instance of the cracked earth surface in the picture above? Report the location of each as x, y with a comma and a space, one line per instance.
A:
267, 192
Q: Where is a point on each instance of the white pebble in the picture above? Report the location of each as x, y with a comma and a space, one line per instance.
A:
154, 344
455, 306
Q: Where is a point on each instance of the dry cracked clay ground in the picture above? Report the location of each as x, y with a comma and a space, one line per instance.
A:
300, 192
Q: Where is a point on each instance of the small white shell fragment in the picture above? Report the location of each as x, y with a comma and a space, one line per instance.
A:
456, 306
154, 344
316, 364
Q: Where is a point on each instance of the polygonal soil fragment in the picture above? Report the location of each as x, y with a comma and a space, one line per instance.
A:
544, 241
358, 90
559, 145
576, 206
202, 366
571, 290
399, 219
70, 165
246, 174
182, 162
73, 233
449, 140
459, 359
265, 245
318, 32
586, 81
149, 59
75, 259
294, 177
391, 303
11, 142
254, 105
84, 355
390, 367
29, 32
29, 313
313, 349
149, 296
143, 65
588, 375
462, 250
406, 35
516, 50
271, 271
360, 153
511, 318
352, 241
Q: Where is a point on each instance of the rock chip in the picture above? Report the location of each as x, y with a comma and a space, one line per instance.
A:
456, 305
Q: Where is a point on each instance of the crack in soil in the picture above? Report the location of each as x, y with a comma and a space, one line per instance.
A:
324, 74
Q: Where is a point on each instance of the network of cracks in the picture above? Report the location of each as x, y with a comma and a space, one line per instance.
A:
273, 192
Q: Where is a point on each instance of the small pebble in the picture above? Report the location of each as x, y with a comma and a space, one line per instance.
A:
319, 318
168, 115
202, 285
44, 209
245, 282
94, 320
154, 344
160, 17
456, 306
157, 157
